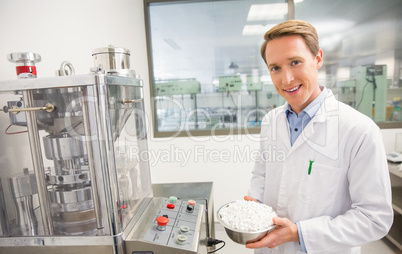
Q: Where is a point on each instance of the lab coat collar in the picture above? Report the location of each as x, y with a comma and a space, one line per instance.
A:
327, 109
311, 109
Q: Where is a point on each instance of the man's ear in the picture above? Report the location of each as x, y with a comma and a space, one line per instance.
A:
319, 57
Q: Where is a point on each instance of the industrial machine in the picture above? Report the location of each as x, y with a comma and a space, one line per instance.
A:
176, 87
239, 83
74, 176
366, 90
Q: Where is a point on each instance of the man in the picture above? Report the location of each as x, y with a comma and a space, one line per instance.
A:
330, 185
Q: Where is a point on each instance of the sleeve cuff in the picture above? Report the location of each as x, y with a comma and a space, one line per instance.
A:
301, 240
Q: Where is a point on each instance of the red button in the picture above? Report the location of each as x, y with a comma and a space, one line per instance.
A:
191, 202
162, 221
170, 206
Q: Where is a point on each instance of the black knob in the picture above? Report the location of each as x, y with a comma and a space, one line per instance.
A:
190, 208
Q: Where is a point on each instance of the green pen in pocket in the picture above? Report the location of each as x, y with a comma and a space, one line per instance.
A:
310, 167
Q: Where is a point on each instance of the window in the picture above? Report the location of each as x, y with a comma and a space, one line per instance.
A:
206, 70
362, 53
208, 78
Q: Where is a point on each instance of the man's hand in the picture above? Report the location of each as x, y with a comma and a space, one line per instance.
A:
248, 198
285, 231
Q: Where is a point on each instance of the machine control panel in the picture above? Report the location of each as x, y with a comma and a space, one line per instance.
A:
174, 224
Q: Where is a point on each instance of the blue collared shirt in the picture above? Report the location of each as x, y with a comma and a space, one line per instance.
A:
298, 122
296, 125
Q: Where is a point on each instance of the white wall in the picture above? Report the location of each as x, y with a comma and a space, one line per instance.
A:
70, 30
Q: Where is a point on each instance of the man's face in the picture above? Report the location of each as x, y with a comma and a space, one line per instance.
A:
293, 70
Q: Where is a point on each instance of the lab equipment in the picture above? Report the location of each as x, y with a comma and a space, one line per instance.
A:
4, 227
366, 90
66, 68
113, 60
239, 83
86, 185
394, 157
371, 90
396, 111
175, 87
25, 62
23, 187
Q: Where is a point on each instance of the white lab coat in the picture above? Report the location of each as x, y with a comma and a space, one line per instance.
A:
345, 202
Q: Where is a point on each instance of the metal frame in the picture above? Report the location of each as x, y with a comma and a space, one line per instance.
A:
37, 161
63, 81
112, 241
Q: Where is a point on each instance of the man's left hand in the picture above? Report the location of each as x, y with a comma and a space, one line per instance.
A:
285, 231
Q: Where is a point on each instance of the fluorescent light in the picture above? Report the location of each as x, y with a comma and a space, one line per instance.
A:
267, 11
330, 42
256, 29
298, 1
333, 26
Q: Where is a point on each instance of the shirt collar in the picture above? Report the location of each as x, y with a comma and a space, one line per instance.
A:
313, 107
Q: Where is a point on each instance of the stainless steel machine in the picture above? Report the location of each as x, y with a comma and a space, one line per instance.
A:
74, 176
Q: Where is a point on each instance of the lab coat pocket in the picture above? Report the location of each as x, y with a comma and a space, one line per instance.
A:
318, 187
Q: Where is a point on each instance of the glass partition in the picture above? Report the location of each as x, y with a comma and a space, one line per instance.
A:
362, 53
208, 78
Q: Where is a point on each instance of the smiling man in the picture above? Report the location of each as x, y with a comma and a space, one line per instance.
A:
332, 191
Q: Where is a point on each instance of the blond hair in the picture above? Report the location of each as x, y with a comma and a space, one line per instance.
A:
293, 27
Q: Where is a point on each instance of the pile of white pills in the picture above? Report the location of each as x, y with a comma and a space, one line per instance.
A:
247, 216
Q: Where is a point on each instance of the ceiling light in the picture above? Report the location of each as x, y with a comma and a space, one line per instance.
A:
256, 29
333, 26
267, 11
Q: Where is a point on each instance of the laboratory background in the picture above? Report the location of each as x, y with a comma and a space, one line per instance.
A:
182, 100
